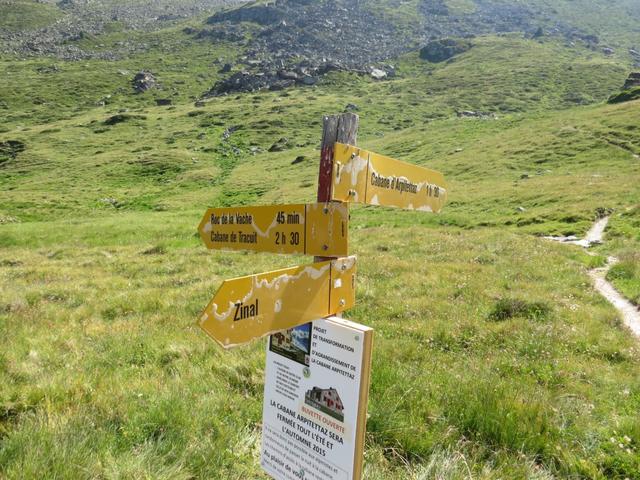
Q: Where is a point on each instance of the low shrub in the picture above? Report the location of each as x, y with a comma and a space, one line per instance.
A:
507, 308
625, 96
443, 49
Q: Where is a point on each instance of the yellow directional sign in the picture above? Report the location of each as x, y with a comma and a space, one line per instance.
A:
316, 229
366, 177
251, 307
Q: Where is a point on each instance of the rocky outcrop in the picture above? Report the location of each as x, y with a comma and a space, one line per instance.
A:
260, 14
625, 96
281, 145
79, 19
474, 114
356, 33
266, 76
10, 149
350, 34
247, 81
300, 41
444, 49
633, 81
122, 117
144, 81
630, 90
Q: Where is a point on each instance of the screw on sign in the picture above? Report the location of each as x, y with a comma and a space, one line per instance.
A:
318, 365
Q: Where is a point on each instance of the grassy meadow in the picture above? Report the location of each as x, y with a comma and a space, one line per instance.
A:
493, 356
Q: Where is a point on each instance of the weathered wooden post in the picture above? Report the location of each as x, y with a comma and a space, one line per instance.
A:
336, 128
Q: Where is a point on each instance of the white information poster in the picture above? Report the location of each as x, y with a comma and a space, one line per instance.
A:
315, 401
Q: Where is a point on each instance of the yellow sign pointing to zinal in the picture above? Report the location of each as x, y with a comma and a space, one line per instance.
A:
251, 307
319, 229
366, 177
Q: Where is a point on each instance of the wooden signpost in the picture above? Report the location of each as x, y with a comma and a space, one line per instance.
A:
318, 365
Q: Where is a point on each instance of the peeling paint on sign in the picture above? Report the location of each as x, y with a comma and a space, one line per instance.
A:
247, 308
360, 176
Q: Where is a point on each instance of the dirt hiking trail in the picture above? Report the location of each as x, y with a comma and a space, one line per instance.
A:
629, 312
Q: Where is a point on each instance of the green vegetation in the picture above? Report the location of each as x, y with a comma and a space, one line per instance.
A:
625, 275
507, 308
43, 90
106, 367
441, 50
182, 156
19, 15
493, 356
612, 22
624, 235
625, 96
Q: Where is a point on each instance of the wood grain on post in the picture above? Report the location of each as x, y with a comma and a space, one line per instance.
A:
336, 128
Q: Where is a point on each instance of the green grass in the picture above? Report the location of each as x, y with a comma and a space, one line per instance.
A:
623, 236
26, 15
614, 23
43, 90
626, 276
493, 358
106, 373
164, 157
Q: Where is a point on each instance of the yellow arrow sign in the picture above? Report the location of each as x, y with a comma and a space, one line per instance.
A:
366, 177
319, 229
251, 307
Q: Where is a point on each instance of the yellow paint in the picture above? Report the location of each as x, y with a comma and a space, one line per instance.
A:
315, 229
327, 229
366, 177
350, 167
247, 308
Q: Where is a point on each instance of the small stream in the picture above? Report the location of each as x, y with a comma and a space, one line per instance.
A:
629, 312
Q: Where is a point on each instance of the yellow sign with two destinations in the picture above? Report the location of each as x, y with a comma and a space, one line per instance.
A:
365, 177
247, 308
320, 229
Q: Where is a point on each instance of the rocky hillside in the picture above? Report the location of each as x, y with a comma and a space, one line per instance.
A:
298, 41
48, 27
352, 33
281, 43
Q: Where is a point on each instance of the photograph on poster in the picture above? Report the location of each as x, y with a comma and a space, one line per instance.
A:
294, 344
327, 400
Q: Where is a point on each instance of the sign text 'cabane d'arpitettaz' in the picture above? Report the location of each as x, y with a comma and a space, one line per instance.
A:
360, 176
